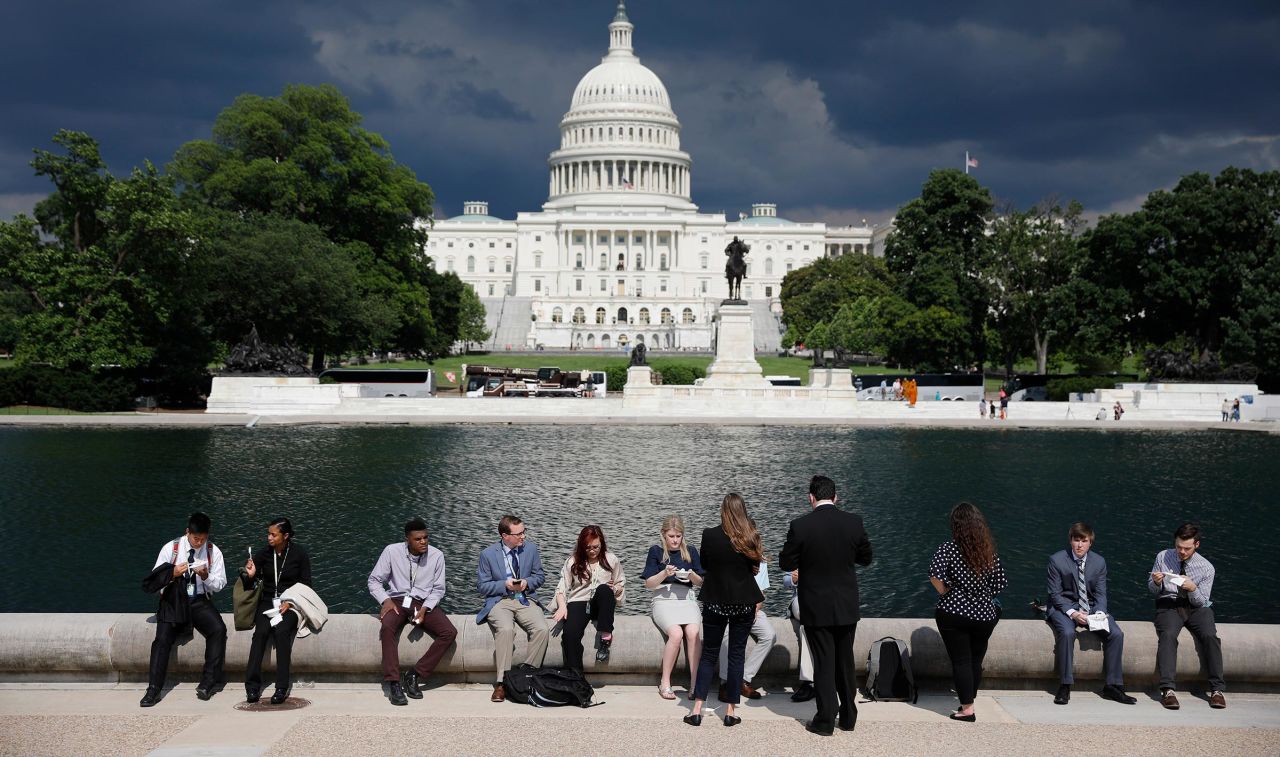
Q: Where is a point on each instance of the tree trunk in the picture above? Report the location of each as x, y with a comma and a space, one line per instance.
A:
317, 361
1042, 351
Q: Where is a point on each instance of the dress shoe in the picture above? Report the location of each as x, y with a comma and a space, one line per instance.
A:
412, 684
804, 692
150, 698
723, 693
205, 693
694, 720
1168, 700
252, 694
1064, 694
1116, 694
499, 693
279, 696
750, 693
731, 720
819, 730
847, 725
970, 718
395, 694
1217, 701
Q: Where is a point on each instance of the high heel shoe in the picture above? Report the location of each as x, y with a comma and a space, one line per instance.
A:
694, 720
731, 720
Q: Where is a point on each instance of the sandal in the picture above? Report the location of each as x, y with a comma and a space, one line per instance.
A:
666, 693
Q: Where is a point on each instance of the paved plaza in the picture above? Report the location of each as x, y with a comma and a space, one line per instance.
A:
345, 719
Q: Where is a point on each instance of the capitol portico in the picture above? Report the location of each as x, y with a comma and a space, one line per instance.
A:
619, 253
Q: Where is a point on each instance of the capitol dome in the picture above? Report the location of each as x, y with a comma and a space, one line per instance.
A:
620, 136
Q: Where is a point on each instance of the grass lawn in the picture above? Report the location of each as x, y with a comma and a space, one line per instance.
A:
33, 410
6, 362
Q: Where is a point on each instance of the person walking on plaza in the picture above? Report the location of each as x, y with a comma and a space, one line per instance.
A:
188, 572
967, 574
408, 583
982, 407
804, 692
825, 545
1182, 582
1004, 405
1077, 588
508, 577
764, 636
592, 585
281, 564
1235, 410
672, 569
731, 555
1226, 409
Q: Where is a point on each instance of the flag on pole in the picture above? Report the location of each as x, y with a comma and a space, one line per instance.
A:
626, 183
969, 162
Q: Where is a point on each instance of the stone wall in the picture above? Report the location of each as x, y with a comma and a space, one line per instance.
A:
112, 647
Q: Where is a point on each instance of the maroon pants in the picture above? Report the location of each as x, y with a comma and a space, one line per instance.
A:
435, 623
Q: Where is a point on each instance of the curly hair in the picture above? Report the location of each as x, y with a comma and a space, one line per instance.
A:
740, 529
581, 573
971, 534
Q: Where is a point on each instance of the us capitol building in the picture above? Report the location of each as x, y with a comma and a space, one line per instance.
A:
619, 253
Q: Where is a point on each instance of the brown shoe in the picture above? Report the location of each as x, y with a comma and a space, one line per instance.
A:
1217, 701
499, 693
723, 693
750, 693
1168, 700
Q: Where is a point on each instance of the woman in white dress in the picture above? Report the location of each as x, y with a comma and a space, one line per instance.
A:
671, 571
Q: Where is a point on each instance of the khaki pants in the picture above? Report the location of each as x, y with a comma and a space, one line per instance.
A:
503, 619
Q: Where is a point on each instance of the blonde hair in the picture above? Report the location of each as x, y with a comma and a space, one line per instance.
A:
673, 523
740, 529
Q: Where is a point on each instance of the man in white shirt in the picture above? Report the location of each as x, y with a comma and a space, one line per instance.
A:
197, 572
765, 637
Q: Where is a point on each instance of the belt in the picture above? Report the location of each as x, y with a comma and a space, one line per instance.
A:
1167, 603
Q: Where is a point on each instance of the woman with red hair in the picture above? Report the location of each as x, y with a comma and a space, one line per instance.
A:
591, 586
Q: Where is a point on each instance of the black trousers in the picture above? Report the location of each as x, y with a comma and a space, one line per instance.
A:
282, 637
833, 678
206, 620
966, 642
601, 606
1199, 620
713, 625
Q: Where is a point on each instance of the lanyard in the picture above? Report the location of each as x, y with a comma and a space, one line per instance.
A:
413, 566
276, 566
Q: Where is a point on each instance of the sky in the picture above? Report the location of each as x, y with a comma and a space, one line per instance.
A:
835, 110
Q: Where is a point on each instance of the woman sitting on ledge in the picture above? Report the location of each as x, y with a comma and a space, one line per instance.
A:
279, 565
671, 570
591, 585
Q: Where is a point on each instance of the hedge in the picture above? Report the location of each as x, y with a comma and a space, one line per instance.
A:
1060, 390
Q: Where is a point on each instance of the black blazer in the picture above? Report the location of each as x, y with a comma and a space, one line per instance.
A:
825, 545
295, 568
730, 575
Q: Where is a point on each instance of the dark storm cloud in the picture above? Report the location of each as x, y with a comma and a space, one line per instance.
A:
832, 109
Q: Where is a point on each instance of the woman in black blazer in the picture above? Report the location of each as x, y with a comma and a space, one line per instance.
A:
731, 556
279, 565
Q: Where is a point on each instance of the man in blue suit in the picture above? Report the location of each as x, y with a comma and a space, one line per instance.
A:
510, 573
1078, 588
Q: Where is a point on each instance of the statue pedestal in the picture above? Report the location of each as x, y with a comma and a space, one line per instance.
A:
735, 364
639, 375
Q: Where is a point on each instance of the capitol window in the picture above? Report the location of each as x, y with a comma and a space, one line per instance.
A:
662, 285
449, 264
703, 260
537, 237
644, 315
491, 289
577, 285
491, 245
687, 316
577, 261
577, 238
537, 261
579, 316
604, 261
666, 315
600, 315
768, 266
557, 315
493, 265
662, 262
449, 243
788, 266
471, 264
507, 264
604, 285
639, 239
603, 239
703, 286
768, 291
537, 285
788, 247
622, 239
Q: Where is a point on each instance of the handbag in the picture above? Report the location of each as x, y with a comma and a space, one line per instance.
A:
244, 602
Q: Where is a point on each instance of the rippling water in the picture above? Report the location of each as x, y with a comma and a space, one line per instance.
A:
83, 512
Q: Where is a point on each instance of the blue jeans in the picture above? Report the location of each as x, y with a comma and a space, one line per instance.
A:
713, 625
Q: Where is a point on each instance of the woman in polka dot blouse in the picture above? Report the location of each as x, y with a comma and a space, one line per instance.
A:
968, 575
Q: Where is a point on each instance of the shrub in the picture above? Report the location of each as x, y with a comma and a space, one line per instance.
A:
97, 391
1060, 390
678, 374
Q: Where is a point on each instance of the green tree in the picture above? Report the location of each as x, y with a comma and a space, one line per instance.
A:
1034, 258
105, 266
471, 318
815, 292
938, 251
305, 156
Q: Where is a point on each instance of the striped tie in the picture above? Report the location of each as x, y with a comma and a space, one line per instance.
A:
1083, 588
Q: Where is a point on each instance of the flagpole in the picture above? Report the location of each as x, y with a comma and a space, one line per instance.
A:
966, 162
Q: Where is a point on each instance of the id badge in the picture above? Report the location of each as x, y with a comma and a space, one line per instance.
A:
407, 603
191, 589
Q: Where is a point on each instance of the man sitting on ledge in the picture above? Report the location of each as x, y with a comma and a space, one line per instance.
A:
1077, 588
1182, 579
510, 572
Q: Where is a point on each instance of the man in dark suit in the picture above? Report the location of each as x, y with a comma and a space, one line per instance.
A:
1078, 588
824, 546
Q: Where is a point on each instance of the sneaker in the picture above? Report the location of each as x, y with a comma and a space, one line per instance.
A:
1168, 700
1217, 701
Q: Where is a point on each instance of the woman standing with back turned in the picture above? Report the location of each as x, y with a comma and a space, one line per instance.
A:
967, 573
731, 556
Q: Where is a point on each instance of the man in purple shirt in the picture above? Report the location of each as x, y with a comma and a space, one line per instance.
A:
408, 581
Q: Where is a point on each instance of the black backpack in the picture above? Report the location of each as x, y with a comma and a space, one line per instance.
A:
548, 687
889, 677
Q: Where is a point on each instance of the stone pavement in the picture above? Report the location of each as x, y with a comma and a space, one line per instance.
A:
344, 719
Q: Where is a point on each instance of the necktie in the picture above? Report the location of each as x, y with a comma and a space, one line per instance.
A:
1083, 588
191, 585
1182, 571
515, 573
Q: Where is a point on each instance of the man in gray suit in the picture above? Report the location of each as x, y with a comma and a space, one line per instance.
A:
1077, 589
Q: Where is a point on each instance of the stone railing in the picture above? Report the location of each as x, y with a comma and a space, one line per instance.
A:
113, 647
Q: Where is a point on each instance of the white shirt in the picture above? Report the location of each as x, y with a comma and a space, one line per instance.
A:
217, 580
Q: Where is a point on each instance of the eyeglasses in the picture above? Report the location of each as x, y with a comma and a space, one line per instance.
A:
593, 547
518, 535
